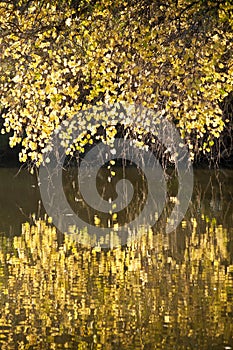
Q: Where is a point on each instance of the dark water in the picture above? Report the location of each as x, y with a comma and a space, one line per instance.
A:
160, 292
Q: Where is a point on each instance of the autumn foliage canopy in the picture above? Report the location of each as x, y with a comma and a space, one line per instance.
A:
60, 57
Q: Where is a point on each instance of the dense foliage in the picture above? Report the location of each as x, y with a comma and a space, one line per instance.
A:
59, 57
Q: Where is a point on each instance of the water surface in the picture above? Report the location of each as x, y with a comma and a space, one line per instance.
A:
160, 292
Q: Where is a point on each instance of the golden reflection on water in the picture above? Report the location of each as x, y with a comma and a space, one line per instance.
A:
60, 296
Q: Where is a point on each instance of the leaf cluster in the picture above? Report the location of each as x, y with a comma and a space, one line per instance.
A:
59, 57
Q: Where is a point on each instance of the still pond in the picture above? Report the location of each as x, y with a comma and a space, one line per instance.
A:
163, 291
